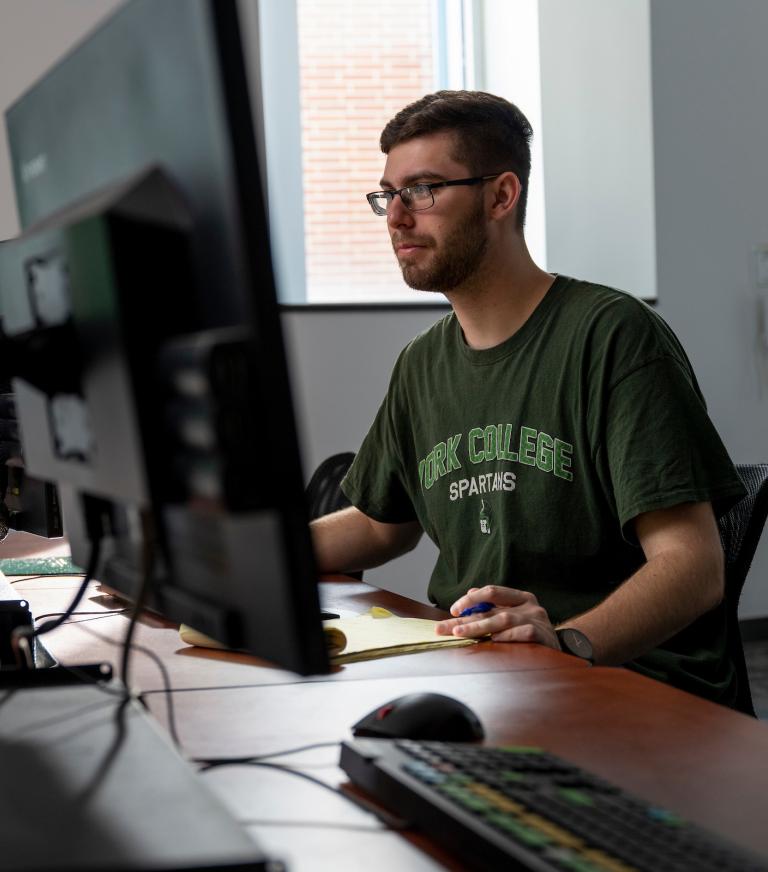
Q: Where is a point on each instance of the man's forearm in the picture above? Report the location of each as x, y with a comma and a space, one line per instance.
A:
663, 597
348, 540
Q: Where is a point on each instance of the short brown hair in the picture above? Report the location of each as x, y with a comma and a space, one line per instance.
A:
492, 134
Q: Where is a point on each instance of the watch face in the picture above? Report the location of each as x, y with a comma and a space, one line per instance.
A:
575, 642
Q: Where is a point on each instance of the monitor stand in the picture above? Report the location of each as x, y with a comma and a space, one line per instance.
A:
46, 670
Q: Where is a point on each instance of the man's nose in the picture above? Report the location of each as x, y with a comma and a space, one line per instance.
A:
398, 215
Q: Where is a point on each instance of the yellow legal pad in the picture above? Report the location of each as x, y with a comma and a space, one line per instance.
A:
377, 633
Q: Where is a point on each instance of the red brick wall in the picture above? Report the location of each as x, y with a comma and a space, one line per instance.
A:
361, 61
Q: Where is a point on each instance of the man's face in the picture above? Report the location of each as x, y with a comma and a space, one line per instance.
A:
438, 248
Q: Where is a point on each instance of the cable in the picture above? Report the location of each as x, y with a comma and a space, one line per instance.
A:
98, 683
102, 614
46, 575
148, 558
388, 821
212, 762
323, 825
21, 636
93, 563
167, 687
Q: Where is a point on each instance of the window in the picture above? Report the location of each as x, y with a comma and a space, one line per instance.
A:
359, 63
332, 73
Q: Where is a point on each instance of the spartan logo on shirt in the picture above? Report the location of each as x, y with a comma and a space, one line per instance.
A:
485, 518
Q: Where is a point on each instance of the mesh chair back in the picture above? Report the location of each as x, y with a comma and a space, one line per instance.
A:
741, 527
740, 531
324, 493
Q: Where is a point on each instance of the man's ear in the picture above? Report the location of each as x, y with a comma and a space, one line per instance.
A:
506, 194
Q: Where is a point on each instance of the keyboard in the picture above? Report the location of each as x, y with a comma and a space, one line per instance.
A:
523, 808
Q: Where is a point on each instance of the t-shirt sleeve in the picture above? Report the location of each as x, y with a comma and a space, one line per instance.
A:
374, 482
661, 446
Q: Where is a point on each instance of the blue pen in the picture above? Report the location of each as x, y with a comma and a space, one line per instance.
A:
477, 610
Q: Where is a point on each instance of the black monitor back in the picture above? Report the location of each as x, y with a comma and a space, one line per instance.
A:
149, 86
164, 85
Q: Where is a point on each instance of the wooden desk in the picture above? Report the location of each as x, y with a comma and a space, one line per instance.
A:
704, 761
199, 668
708, 763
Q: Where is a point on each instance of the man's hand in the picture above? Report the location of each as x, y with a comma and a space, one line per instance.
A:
517, 617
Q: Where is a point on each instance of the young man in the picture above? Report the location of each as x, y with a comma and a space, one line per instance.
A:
548, 435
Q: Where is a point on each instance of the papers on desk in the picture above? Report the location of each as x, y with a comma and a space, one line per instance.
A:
377, 633
194, 637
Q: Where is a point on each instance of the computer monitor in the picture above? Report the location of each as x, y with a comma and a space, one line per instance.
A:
27, 504
142, 328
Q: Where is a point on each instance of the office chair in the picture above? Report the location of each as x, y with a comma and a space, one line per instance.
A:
324, 494
740, 530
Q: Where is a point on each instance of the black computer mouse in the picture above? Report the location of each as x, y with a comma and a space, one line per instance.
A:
429, 716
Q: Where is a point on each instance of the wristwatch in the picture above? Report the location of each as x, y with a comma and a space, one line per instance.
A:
575, 642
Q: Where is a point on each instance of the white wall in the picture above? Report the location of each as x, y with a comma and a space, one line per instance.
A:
597, 140
341, 362
510, 68
710, 87
34, 34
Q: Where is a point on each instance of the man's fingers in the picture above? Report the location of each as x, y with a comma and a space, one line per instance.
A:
477, 625
445, 628
503, 626
507, 597
468, 627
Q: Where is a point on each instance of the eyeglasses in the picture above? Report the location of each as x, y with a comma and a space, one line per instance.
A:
416, 198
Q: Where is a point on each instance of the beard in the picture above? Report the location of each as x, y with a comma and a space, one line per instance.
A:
456, 260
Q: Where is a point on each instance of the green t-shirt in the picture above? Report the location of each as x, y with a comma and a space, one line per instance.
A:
526, 463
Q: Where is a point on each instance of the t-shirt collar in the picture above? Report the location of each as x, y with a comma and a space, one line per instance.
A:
481, 357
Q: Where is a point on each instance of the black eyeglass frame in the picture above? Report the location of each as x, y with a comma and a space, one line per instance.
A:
430, 186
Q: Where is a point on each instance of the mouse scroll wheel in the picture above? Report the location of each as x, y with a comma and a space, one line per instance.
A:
383, 712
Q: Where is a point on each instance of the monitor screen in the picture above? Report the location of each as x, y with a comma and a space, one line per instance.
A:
142, 330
